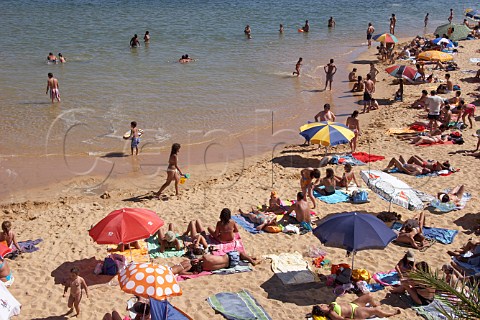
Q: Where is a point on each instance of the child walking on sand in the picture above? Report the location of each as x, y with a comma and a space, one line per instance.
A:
76, 284
135, 137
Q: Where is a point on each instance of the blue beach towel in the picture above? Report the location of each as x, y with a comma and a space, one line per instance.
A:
391, 278
444, 236
237, 306
154, 249
430, 312
246, 224
348, 158
337, 197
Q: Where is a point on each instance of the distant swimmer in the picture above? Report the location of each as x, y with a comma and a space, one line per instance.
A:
330, 70
185, 58
134, 41
393, 23
281, 28
297, 67
51, 58
370, 31
146, 37
450, 17
426, 19
306, 27
331, 23
61, 58
52, 85
248, 32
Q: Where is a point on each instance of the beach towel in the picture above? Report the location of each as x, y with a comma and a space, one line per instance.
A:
430, 241
468, 268
444, 236
430, 312
393, 131
366, 157
154, 249
291, 268
435, 144
344, 159
446, 208
220, 249
242, 266
475, 60
137, 255
425, 197
389, 278
238, 306
246, 224
351, 188
28, 245
337, 197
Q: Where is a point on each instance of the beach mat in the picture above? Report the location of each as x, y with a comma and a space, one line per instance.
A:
337, 197
246, 224
367, 157
137, 255
468, 268
237, 306
436, 144
291, 268
154, 249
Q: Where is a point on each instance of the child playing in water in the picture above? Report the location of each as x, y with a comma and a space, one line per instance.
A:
76, 284
135, 137
8, 236
297, 67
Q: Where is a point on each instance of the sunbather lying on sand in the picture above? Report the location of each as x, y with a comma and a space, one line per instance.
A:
454, 195
209, 262
263, 219
411, 232
198, 234
357, 309
434, 137
409, 168
429, 164
470, 246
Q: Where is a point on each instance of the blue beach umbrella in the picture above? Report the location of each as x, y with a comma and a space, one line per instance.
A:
163, 310
448, 43
473, 14
354, 232
326, 133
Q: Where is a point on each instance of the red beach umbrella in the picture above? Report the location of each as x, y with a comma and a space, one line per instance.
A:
4, 250
406, 72
126, 225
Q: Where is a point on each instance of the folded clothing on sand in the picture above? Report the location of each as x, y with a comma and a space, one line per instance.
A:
344, 159
237, 306
366, 157
337, 197
291, 268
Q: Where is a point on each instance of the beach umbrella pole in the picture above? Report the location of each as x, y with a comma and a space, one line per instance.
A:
353, 258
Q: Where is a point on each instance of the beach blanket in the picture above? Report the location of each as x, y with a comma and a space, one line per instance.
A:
465, 198
468, 268
154, 249
242, 266
430, 312
351, 188
475, 60
237, 306
220, 249
337, 197
291, 268
28, 246
246, 224
425, 197
366, 157
435, 144
444, 236
344, 159
393, 131
390, 278
137, 255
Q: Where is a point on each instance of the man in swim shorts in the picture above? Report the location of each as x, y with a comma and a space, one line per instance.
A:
134, 42
434, 104
52, 85
367, 94
330, 70
209, 262
370, 31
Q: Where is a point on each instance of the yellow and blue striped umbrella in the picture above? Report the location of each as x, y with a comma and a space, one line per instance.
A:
326, 133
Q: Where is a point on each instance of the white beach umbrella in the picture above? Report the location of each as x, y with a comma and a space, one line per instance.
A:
9, 306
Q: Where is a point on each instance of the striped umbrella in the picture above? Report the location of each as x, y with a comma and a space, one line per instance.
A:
385, 38
403, 72
326, 133
435, 55
455, 32
473, 14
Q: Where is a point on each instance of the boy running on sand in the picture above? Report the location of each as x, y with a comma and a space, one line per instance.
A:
135, 137
297, 67
76, 284
52, 85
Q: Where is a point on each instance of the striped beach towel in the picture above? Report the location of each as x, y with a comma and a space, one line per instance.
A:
237, 306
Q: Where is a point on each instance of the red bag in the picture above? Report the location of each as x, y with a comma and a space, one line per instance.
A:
336, 267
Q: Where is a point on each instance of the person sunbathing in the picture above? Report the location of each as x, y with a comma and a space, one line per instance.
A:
5, 271
409, 168
357, 309
436, 136
419, 292
274, 204
468, 249
263, 219
347, 178
429, 164
168, 240
455, 195
209, 262
141, 309
411, 232
122, 247
455, 100
197, 245
420, 103
225, 229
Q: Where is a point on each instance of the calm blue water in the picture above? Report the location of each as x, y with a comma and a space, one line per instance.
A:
105, 84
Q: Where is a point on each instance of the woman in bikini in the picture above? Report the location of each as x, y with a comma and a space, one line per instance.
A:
354, 125
307, 184
328, 182
466, 109
454, 195
409, 168
357, 309
347, 178
225, 229
5, 271
274, 204
173, 171
263, 219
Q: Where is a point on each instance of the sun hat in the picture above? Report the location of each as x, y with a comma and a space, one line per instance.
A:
410, 256
170, 236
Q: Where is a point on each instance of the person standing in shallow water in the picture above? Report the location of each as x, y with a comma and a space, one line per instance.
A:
134, 42
426, 19
297, 67
330, 70
331, 23
370, 31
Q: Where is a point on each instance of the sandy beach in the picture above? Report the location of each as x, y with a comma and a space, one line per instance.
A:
62, 214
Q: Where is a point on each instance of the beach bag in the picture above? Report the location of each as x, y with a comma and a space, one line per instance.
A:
109, 267
336, 267
361, 275
359, 196
344, 276
458, 140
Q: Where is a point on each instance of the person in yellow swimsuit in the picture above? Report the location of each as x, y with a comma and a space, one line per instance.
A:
357, 309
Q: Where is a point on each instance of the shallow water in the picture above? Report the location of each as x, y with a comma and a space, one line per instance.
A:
106, 84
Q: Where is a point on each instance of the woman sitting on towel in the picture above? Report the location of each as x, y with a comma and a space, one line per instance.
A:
328, 182
455, 195
225, 229
357, 309
420, 293
263, 219
347, 178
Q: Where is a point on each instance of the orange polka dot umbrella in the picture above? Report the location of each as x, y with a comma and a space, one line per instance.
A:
149, 281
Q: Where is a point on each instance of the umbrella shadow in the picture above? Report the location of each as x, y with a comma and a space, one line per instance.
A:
469, 222
86, 266
306, 294
296, 161
397, 300
364, 61
470, 80
141, 198
61, 317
